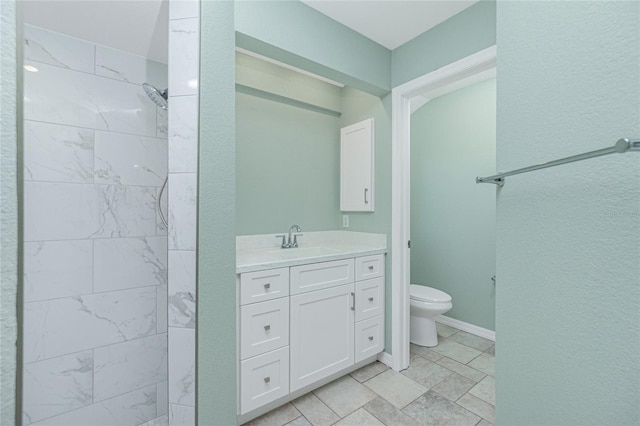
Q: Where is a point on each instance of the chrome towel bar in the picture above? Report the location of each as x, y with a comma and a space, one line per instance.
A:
622, 145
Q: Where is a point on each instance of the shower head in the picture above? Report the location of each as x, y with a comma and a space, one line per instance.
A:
157, 96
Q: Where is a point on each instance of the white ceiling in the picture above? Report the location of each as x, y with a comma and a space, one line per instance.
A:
141, 26
390, 23
136, 26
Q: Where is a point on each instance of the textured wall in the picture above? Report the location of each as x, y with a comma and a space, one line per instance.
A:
95, 254
453, 220
466, 33
216, 336
294, 33
8, 212
568, 238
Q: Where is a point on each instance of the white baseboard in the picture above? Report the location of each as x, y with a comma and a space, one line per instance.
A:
465, 326
386, 358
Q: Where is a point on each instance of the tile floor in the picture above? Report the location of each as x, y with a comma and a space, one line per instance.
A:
451, 384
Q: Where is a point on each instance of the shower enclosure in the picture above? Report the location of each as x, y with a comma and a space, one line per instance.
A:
109, 258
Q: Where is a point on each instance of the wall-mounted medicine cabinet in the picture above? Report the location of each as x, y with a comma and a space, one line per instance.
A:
356, 167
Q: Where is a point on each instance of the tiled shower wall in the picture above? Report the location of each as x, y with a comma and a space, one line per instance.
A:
184, 53
95, 253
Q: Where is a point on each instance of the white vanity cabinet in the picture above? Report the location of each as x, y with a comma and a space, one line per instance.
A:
302, 324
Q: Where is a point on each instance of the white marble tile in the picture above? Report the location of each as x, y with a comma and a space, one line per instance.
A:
127, 366
182, 211
59, 211
182, 380
129, 262
161, 229
129, 159
56, 153
57, 49
180, 9
181, 415
184, 53
57, 385
183, 134
54, 269
63, 326
126, 211
182, 289
158, 421
125, 66
62, 96
162, 123
162, 390
129, 409
161, 310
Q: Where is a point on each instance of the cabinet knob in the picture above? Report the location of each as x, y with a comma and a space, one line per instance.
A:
267, 379
267, 286
267, 327
371, 267
371, 338
371, 299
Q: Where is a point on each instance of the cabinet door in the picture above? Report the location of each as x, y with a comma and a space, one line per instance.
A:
264, 378
322, 334
356, 167
369, 337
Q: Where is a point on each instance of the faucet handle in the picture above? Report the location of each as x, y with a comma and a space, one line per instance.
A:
284, 240
295, 239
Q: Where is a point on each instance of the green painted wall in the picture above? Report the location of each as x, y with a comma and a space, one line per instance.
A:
468, 32
216, 332
287, 167
358, 106
9, 226
453, 234
294, 33
568, 238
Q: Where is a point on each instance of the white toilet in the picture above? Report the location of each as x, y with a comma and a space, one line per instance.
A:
426, 304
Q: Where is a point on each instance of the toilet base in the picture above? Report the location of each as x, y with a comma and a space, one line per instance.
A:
423, 332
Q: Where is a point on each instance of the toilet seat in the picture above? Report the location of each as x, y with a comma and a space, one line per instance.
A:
428, 294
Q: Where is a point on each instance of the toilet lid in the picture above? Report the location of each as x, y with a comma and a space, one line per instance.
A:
428, 294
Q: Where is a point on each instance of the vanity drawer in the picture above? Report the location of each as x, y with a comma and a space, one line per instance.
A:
263, 285
316, 276
369, 298
369, 267
264, 327
263, 379
369, 337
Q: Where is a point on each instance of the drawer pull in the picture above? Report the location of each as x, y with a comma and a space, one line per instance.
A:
371, 338
371, 267
267, 286
371, 299
267, 379
353, 306
267, 327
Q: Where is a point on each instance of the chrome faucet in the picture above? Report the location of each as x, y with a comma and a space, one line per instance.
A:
288, 242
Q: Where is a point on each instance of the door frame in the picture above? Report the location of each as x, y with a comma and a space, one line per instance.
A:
456, 75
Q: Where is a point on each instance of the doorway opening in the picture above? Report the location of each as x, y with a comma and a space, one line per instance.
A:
465, 72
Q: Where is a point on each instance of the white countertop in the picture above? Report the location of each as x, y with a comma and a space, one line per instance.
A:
259, 252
